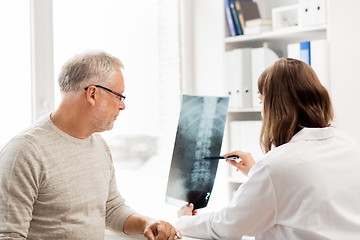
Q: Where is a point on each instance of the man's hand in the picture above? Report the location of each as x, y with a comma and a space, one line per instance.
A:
152, 229
161, 230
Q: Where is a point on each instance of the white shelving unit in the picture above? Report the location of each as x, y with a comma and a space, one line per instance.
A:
245, 114
283, 36
277, 40
292, 33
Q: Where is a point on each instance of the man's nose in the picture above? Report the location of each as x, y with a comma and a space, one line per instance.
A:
122, 105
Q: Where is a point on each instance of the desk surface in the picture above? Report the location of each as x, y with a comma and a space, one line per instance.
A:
115, 236
190, 238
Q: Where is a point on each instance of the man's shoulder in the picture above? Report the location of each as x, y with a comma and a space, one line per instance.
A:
23, 149
38, 129
31, 135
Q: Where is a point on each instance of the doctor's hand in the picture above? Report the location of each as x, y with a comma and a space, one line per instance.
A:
246, 161
187, 210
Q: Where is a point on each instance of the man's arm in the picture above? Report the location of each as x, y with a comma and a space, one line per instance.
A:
20, 175
121, 218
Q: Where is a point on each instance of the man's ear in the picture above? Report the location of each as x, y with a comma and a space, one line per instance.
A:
91, 95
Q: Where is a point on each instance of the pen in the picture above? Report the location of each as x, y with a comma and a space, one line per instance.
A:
233, 157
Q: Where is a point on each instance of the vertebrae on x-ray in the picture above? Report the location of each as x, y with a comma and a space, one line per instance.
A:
201, 172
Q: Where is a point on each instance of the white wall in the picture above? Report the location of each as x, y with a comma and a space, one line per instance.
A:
344, 37
206, 47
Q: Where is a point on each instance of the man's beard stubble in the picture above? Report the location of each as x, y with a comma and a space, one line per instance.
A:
103, 120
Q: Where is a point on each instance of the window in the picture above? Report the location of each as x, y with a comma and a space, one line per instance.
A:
15, 97
144, 34
126, 29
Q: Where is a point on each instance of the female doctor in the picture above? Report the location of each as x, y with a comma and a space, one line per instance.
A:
307, 185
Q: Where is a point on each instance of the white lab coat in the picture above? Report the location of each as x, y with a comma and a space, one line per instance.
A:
308, 188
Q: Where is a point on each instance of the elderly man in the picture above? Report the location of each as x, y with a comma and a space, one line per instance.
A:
57, 178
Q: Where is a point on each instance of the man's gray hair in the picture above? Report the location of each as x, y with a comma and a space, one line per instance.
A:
92, 67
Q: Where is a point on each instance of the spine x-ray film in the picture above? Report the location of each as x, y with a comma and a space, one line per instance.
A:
200, 133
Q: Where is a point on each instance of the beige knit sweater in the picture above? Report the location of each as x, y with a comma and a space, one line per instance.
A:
54, 186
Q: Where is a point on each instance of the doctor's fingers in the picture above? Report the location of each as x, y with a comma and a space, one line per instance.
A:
238, 153
186, 210
240, 166
246, 157
245, 169
235, 163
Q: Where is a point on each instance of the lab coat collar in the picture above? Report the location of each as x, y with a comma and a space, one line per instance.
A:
307, 134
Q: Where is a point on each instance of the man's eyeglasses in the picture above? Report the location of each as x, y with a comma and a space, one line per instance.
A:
119, 95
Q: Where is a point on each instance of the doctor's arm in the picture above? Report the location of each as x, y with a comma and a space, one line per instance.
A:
251, 211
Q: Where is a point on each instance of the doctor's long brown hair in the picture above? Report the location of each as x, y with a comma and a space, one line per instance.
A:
293, 98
